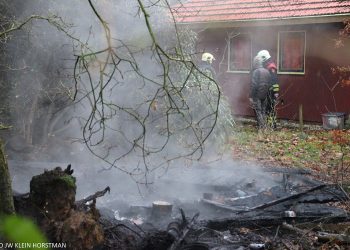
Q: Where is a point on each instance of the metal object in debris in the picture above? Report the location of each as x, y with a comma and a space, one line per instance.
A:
256, 246
290, 214
333, 120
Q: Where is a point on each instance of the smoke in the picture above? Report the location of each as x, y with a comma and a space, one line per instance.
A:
47, 56
115, 105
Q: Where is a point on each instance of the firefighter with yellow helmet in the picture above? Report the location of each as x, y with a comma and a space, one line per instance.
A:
206, 65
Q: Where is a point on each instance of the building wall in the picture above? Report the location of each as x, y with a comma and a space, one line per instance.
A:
317, 90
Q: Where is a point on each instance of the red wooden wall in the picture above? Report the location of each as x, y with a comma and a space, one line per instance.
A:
313, 89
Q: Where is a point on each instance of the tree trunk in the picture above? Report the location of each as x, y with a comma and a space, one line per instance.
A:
48, 116
30, 120
6, 198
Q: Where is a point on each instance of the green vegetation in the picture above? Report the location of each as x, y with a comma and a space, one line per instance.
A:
69, 180
320, 150
21, 230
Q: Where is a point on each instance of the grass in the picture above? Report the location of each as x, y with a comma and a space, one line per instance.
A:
319, 150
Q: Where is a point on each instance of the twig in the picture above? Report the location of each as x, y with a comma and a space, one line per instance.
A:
92, 197
185, 231
125, 226
222, 235
342, 238
276, 234
344, 192
294, 229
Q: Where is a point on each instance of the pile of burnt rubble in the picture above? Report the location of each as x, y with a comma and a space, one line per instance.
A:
296, 212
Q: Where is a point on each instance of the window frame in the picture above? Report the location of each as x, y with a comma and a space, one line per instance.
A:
280, 55
229, 53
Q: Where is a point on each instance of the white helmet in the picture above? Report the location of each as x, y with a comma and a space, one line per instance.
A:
264, 54
207, 57
257, 62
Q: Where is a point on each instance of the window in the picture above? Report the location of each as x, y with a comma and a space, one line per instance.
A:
239, 53
291, 52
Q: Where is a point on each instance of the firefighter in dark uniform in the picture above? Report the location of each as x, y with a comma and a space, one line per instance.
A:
274, 87
260, 84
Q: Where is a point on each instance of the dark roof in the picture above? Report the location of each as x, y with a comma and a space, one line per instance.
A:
218, 11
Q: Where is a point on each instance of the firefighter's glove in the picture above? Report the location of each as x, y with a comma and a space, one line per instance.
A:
276, 95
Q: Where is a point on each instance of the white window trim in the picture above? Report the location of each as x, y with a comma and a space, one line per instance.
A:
229, 52
278, 54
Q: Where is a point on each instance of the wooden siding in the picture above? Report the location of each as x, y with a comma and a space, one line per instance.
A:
313, 89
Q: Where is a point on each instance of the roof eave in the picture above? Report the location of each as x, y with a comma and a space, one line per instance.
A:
271, 21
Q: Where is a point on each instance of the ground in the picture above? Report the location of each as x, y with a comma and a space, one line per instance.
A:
325, 152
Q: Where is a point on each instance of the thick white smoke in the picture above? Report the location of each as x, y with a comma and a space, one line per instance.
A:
120, 108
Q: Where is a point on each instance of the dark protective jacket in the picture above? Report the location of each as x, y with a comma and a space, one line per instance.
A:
271, 67
260, 83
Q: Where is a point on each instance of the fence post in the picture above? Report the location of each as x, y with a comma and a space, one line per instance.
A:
301, 119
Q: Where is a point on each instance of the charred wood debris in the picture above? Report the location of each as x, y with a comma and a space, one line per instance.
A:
299, 213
